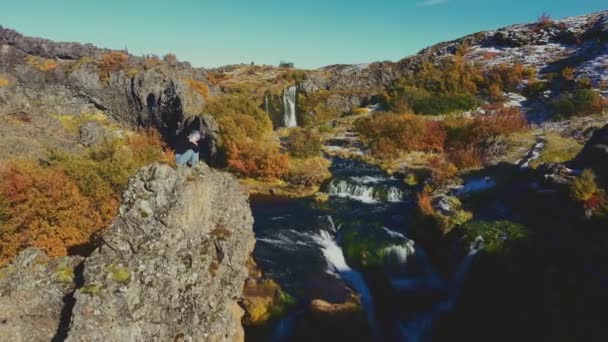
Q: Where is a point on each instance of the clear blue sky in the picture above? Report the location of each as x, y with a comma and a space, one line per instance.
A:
310, 33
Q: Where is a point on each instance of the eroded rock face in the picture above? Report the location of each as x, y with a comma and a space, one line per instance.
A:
32, 293
172, 265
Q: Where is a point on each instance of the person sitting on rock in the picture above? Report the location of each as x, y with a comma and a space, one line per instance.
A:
187, 151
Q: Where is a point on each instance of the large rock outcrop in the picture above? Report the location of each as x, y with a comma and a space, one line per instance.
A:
34, 291
44, 79
172, 265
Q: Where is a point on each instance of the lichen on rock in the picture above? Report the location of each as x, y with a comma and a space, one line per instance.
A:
175, 273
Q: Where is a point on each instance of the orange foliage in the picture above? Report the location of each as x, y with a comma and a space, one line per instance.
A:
466, 158
544, 21
42, 64
4, 81
259, 160
500, 121
199, 87
43, 208
442, 171
389, 134
112, 62
425, 204
147, 147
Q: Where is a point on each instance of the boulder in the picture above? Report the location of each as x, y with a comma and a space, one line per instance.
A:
172, 265
34, 289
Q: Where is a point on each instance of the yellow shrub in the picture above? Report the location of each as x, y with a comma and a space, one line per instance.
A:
199, 87
309, 172
4, 81
584, 186
42, 64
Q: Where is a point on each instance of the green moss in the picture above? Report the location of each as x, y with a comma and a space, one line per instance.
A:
91, 289
498, 236
64, 273
410, 179
118, 273
72, 123
557, 150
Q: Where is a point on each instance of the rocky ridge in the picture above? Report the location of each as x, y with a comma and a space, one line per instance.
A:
171, 267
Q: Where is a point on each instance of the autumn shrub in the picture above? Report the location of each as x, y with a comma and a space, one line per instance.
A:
388, 134
88, 176
247, 137
43, 208
425, 204
309, 172
198, 87
544, 21
42, 64
112, 62
258, 160
578, 103
507, 76
500, 121
4, 81
442, 170
147, 146
584, 187
304, 143
466, 158
536, 88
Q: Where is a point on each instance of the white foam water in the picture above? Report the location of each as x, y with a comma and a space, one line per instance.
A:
337, 265
289, 107
364, 193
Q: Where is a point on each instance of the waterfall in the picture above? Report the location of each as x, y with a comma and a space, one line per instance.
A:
337, 264
267, 104
364, 192
418, 328
399, 254
289, 105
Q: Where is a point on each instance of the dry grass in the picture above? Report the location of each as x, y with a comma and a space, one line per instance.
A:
557, 150
42, 64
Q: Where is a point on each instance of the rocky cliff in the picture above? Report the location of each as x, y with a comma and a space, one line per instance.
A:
41, 79
170, 268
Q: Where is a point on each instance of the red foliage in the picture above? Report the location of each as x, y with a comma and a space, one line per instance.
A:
389, 134
42, 207
257, 160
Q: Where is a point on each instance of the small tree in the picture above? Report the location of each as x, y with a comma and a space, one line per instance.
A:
544, 21
285, 64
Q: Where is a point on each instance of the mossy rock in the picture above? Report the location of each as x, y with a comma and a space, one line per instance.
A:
118, 273
91, 289
321, 197
64, 273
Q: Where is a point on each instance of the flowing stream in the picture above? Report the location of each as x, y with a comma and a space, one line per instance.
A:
308, 249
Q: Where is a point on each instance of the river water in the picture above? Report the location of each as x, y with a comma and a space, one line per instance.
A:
315, 250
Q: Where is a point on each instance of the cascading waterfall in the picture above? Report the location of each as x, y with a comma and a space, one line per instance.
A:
267, 104
337, 264
399, 254
418, 328
364, 192
289, 105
